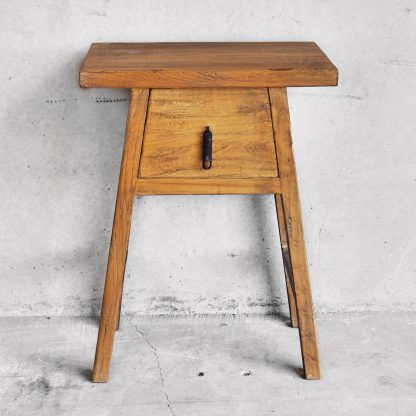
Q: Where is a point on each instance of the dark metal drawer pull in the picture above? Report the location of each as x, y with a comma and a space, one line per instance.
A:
207, 148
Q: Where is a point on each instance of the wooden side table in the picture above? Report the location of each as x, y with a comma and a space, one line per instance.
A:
209, 118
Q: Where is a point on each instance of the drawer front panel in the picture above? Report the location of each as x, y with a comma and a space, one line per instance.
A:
240, 121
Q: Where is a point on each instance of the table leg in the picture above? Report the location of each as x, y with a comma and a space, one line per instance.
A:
296, 243
121, 291
120, 234
287, 261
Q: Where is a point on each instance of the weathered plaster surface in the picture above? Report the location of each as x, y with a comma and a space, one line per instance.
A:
61, 147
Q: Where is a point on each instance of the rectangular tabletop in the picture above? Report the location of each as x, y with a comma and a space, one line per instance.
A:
198, 65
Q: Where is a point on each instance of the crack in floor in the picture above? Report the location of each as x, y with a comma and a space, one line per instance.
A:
162, 380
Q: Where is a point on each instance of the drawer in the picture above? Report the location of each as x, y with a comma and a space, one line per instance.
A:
242, 134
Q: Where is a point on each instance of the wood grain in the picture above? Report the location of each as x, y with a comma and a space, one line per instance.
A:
240, 121
250, 128
120, 235
296, 243
207, 186
199, 65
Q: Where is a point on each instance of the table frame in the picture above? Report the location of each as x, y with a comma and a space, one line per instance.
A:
285, 190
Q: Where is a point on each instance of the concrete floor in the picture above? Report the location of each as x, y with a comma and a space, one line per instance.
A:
211, 365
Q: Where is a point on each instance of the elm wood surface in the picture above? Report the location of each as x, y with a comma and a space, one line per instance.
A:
181, 186
209, 65
240, 121
192, 65
120, 234
294, 227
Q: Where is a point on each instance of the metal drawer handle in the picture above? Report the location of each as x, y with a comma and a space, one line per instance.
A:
207, 148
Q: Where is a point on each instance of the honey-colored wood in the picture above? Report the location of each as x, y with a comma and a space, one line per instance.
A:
287, 262
207, 186
239, 90
121, 291
240, 121
200, 65
296, 243
120, 235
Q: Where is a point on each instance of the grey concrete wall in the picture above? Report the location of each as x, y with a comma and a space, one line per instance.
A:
61, 147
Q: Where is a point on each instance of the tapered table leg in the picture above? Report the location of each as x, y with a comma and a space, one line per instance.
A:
296, 243
287, 261
120, 235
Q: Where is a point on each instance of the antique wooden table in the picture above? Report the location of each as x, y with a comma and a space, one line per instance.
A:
209, 118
